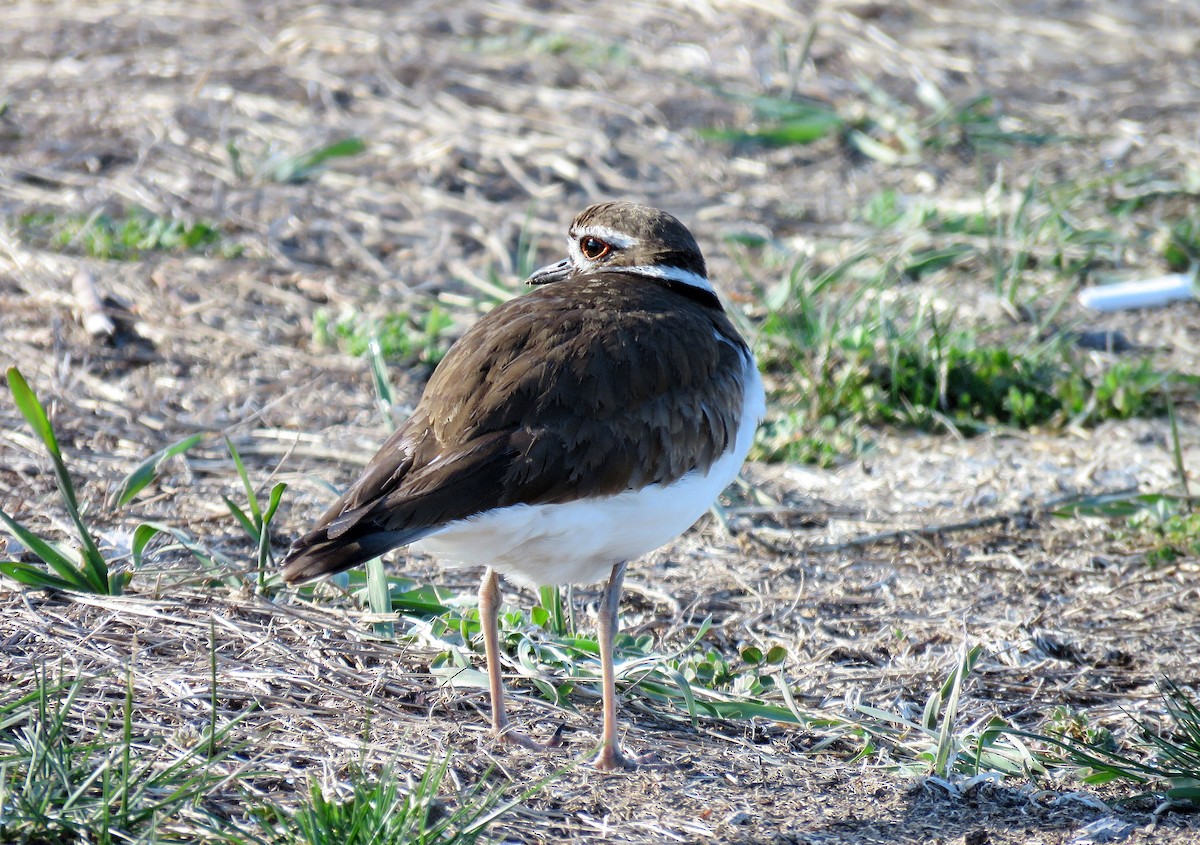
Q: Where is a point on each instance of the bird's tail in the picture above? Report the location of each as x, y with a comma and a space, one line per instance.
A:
316, 553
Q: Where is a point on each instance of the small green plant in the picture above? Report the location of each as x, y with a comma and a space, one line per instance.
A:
377, 811
1013, 237
1181, 243
103, 783
1074, 727
699, 685
1124, 390
1174, 529
217, 567
558, 662
124, 237
554, 610
256, 523
384, 398
950, 377
378, 589
1167, 521
791, 437
881, 126
883, 210
295, 168
421, 335
1170, 762
843, 358
1021, 238
408, 597
85, 569
944, 707
781, 121
753, 675
897, 133
145, 473
939, 743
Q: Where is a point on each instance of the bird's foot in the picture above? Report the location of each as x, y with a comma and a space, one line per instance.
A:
509, 734
612, 759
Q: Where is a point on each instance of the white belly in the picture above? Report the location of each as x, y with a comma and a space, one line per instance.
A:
579, 542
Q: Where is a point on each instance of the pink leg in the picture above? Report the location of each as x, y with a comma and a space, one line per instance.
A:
489, 609
610, 756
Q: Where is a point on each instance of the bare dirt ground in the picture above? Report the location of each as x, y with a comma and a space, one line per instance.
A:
480, 120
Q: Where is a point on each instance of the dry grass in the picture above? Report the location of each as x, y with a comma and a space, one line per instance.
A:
483, 121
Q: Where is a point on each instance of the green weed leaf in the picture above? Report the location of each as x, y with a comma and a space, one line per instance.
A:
93, 568
147, 471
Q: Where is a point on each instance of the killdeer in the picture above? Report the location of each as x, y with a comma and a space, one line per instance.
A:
568, 432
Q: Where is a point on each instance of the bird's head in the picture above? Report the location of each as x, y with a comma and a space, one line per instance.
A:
625, 237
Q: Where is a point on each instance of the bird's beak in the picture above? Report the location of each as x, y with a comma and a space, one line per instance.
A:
550, 273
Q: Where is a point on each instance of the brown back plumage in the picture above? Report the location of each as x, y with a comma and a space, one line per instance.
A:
589, 386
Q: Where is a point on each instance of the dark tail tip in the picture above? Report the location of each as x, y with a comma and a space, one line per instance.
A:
315, 554
308, 561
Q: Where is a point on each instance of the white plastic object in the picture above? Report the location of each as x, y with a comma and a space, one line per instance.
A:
1141, 293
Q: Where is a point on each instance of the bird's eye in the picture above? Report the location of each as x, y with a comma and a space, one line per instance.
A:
593, 248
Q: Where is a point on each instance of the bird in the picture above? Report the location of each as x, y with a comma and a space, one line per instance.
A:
569, 431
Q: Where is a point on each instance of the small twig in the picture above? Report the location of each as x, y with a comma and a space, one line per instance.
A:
360, 251
465, 274
1021, 514
91, 306
924, 532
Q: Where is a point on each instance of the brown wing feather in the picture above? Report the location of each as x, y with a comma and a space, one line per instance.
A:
586, 387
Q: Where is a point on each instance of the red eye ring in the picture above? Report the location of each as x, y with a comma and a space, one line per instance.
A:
593, 248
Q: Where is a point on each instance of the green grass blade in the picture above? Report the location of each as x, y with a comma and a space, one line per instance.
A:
301, 167
246, 485
212, 686
344, 148
526, 252
265, 561
94, 568
29, 406
147, 531
790, 700
379, 597
379, 379
273, 499
967, 664
933, 706
126, 771
147, 471
264, 557
50, 554
947, 749
804, 129
1177, 451
215, 564
551, 600
244, 520
871, 148
29, 575
689, 698
886, 717
748, 710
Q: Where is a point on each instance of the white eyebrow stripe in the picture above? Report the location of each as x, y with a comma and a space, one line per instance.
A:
671, 274
575, 254
618, 239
